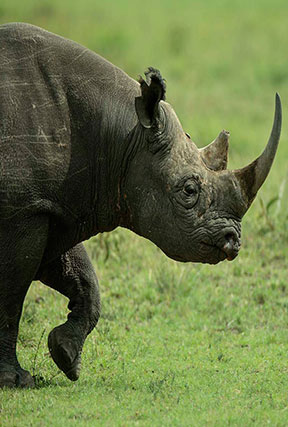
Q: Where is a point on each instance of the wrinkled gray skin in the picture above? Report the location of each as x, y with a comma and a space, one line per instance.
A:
84, 149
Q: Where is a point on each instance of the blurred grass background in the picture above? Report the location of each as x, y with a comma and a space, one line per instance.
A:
180, 344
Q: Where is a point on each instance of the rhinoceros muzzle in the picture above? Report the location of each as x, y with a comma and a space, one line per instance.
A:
230, 243
231, 247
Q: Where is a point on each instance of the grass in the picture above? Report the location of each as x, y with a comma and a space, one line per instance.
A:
177, 344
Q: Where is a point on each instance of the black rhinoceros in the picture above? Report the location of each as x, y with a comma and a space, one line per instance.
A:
83, 149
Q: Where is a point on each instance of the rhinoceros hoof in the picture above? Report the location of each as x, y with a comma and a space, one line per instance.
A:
16, 378
65, 352
24, 379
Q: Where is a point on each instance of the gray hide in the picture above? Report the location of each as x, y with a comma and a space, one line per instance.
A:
83, 149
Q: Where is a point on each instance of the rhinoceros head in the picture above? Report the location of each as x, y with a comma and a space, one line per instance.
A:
183, 198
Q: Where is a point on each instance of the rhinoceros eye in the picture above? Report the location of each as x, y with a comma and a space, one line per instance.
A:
191, 188
189, 193
188, 136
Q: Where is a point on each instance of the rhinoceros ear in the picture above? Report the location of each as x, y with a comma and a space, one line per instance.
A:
152, 92
215, 155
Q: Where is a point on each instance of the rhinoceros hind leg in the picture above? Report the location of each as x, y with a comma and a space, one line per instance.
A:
16, 377
8, 378
24, 379
22, 246
73, 275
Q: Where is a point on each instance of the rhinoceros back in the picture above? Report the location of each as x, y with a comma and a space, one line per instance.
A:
53, 96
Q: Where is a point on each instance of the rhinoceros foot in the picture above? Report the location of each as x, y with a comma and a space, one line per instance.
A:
65, 352
16, 377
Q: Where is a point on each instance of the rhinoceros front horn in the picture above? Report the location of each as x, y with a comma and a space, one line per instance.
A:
252, 176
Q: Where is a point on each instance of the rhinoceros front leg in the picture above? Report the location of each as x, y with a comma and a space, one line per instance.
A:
22, 246
73, 275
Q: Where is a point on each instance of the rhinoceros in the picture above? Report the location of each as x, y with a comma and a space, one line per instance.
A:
84, 149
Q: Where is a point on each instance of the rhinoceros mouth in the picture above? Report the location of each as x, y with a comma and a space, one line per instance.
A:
208, 254
211, 254
227, 251
215, 254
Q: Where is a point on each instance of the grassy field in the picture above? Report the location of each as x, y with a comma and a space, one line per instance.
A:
177, 344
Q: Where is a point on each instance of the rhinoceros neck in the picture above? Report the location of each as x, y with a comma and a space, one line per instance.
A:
105, 122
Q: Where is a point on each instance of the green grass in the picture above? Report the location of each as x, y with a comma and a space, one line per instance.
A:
177, 344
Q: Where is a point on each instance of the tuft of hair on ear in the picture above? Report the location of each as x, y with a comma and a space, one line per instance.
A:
154, 78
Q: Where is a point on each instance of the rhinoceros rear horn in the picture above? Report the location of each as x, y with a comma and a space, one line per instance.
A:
215, 155
152, 92
253, 176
